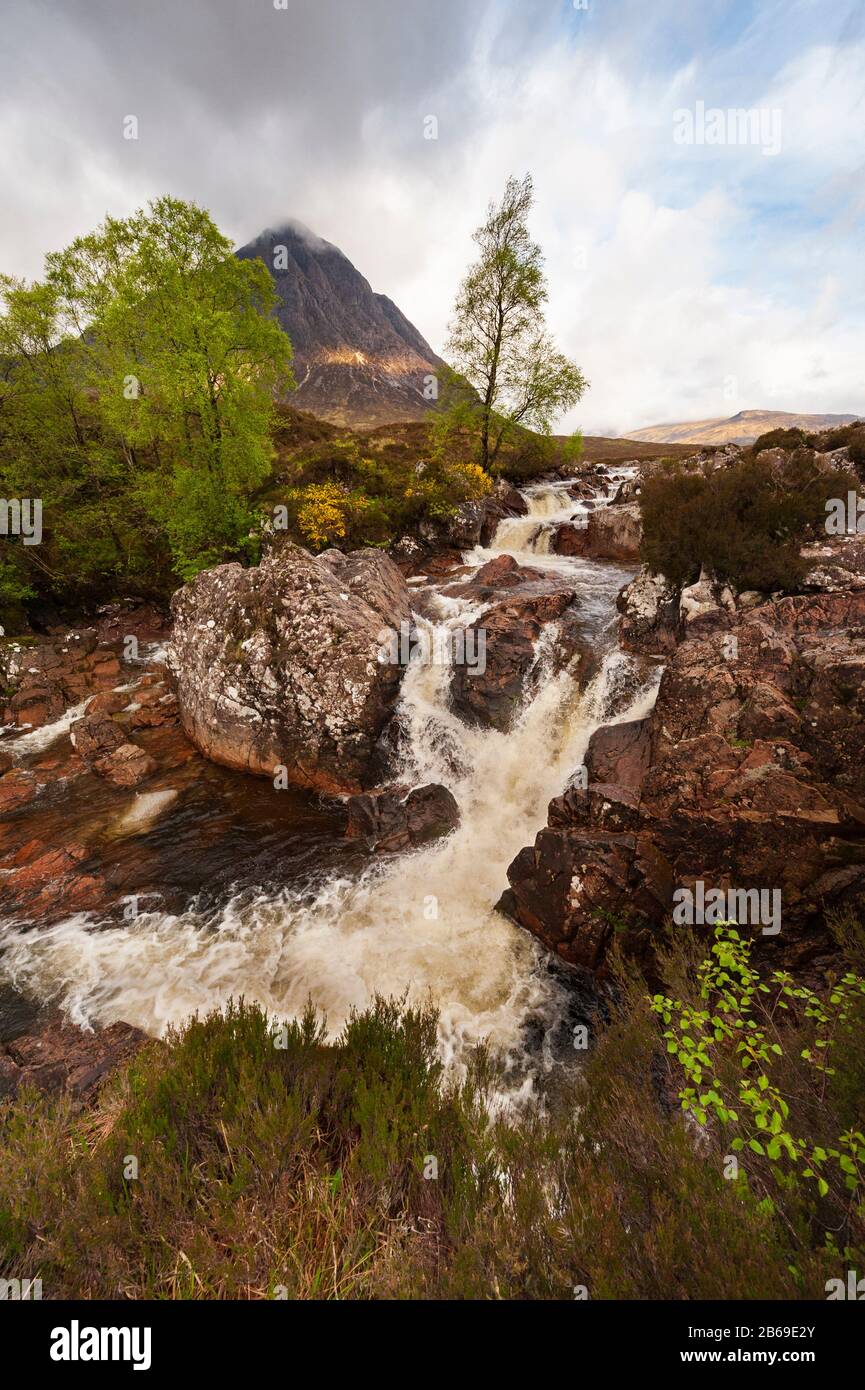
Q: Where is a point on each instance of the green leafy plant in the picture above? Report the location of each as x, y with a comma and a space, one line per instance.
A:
736, 1017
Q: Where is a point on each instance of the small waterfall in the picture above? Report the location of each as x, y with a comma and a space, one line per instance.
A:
423, 923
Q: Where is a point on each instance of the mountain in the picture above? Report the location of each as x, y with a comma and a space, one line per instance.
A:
357, 359
743, 428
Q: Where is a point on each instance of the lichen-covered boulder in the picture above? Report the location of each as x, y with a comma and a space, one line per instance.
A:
278, 667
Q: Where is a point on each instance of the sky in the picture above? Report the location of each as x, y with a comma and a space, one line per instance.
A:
698, 264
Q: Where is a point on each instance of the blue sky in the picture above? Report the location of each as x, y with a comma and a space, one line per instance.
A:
688, 280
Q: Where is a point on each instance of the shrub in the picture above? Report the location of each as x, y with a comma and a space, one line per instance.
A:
745, 523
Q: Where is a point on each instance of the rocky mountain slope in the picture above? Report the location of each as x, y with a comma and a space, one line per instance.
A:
357, 359
743, 428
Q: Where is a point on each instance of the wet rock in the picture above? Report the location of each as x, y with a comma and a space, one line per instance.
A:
94, 736
394, 818
279, 666
502, 573
615, 533
569, 539
36, 706
749, 773
107, 703
126, 766
491, 691
505, 501
620, 753
54, 1055
575, 889
17, 787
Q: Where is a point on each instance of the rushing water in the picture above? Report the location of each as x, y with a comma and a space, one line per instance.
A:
421, 924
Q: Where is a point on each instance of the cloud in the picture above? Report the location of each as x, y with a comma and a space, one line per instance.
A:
673, 270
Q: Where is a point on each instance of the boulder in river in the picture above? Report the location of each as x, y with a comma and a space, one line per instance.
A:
490, 689
615, 533
394, 818
278, 667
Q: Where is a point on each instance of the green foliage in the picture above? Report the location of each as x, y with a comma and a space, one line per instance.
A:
734, 1017
745, 523
353, 491
136, 401
508, 374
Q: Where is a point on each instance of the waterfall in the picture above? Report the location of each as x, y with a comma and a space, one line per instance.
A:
420, 924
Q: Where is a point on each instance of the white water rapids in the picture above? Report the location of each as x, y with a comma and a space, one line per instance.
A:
422, 924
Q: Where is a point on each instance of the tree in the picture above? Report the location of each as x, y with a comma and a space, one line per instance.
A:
137, 387
498, 340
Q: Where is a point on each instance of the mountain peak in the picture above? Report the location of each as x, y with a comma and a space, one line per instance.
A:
357, 358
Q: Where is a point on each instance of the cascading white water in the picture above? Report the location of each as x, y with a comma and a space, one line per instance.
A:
421, 924
549, 506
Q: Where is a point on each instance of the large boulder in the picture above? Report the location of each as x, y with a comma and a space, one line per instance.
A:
280, 666
615, 533
568, 539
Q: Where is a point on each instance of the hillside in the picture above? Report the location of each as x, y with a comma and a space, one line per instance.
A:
743, 428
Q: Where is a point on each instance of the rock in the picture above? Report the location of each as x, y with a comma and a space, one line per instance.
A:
505, 501
96, 735
373, 577
649, 606
704, 599
569, 539
575, 889
17, 787
108, 702
502, 573
393, 818
492, 691
54, 1055
126, 766
628, 491
749, 773
620, 754
36, 705
615, 533
279, 666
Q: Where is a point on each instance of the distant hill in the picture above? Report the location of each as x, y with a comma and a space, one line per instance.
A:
743, 428
357, 359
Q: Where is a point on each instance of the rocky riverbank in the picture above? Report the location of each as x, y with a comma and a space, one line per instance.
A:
224, 797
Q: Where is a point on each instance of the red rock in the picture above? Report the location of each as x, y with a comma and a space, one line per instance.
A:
17, 787
96, 735
54, 1055
126, 766
569, 539
394, 818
